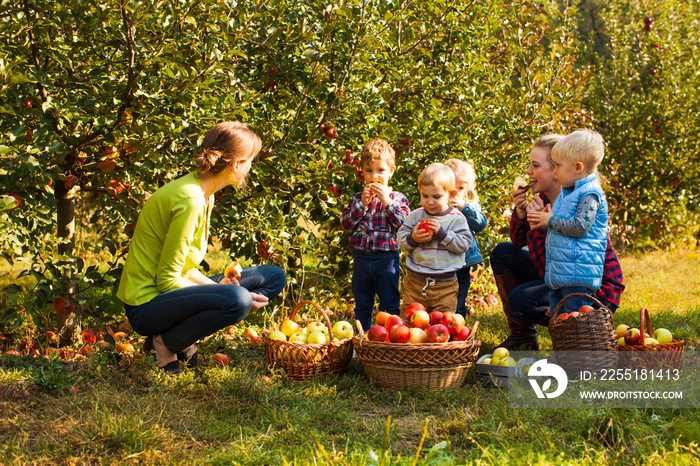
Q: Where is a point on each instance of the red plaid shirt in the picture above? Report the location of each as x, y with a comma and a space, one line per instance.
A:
521, 235
375, 226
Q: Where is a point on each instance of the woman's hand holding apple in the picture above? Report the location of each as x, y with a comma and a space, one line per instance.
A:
519, 196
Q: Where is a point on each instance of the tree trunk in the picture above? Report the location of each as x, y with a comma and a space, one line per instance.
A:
65, 225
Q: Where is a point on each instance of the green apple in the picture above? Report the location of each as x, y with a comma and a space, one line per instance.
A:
315, 326
342, 330
621, 330
510, 362
621, 341
650, 341
501, 353
288, 327
277, 335
496, 361
662, 335
486, 361
298, 337
317, 337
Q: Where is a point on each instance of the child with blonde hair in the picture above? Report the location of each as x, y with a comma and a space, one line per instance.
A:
435, 238
467, 201
577, 222
375, 215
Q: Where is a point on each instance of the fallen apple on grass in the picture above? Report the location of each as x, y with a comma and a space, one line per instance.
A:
221, 359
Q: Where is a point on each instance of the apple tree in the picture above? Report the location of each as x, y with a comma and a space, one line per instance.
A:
105, 101
645, 101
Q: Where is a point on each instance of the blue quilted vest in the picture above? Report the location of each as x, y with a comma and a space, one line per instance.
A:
577, 261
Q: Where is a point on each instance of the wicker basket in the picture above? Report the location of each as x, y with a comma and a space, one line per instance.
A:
592, 332
394, 366
663, 355
305, 360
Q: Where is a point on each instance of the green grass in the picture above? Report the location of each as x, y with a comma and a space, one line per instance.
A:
122, 411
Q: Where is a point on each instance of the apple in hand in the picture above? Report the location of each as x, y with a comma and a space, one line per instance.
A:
435, 317
342, 330
621, 331
413, 307
378, 333
425, 226
662, 335
437, 333
420, 319
288, 327
418, 335
233, 270
633, 337
399, 333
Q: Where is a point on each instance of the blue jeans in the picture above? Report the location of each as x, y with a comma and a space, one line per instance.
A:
464, 280
375, 272
183, 316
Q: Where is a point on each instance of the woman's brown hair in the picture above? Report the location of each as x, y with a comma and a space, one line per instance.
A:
224, 144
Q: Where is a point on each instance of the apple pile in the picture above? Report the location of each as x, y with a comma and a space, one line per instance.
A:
315, 332
582, 312
632, 336
422, 327
500, 357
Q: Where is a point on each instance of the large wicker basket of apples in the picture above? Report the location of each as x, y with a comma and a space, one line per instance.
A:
430, 350
306, 351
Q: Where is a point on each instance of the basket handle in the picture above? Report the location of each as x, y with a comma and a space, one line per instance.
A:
591, 298
644, 317
293, 314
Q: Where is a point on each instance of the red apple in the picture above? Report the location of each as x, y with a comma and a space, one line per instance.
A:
273, 71
378, 333
129, 229
60, 306
425, 226
481, 303
221, 359
393, 321
381, 318
405, 142
28, 102
88, 336
107, 166
399, 334
463, 334
71, 180
264, 251
435, 317
11, 353
573, 314
420, 319
330, 132
86, 350
585, 309
334, 190
413, 307
271, 85
452, 323
492, 300
563, 316
437, 333
633, 337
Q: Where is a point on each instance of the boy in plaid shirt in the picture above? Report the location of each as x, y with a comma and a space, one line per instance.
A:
375, 215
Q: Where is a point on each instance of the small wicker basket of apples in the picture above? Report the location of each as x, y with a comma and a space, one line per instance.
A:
314, 349
428, 350
648, 350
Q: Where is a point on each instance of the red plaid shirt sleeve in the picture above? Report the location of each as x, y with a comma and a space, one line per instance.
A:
375, 226
520, 234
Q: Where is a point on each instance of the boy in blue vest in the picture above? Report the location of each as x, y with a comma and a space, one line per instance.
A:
577, 221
